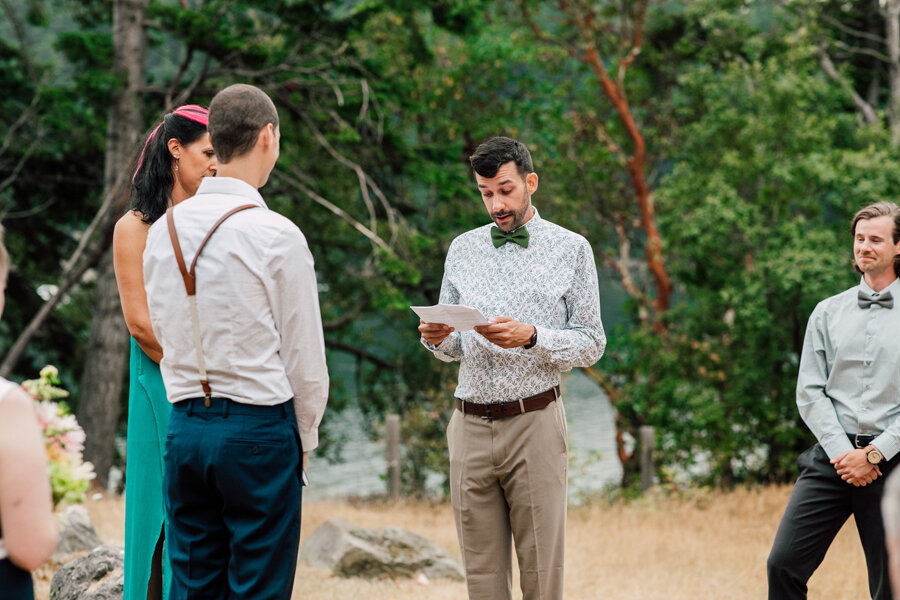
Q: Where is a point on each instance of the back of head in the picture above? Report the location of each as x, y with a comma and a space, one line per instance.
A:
496, 152
872, 211
152, 181
236, 116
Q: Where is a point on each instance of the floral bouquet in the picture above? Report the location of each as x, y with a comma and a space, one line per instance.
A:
70, 476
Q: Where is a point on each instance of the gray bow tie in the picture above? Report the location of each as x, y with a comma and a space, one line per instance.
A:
885, 300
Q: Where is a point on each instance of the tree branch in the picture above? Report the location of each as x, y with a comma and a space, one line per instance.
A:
360, 353
23, 118
21, 36
863, 51
87, 254
182, 69
365, 182
371, 235
854, 32
868, 113
18, 168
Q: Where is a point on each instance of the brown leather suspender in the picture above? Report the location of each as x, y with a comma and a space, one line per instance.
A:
190, 286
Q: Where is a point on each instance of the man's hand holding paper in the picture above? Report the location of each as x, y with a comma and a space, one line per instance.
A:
439, 321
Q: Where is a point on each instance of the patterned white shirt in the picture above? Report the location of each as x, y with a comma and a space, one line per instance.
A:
552, 285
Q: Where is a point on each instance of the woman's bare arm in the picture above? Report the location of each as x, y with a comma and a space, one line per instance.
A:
26, 506
129, 240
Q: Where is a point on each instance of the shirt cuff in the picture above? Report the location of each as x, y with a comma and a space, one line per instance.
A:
309, 440
540, 347
448, 350
887, 446
836, 445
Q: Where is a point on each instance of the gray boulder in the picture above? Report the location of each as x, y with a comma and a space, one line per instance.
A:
99, 575
76, 533
352, 551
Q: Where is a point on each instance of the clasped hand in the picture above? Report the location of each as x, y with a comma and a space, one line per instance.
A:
505, 332
855, 469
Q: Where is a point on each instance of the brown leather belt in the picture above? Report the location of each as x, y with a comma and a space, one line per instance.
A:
508, 409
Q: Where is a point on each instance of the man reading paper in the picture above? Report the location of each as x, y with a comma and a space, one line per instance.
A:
507, 438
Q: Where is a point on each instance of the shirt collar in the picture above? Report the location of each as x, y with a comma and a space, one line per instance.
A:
231, 186
894, 288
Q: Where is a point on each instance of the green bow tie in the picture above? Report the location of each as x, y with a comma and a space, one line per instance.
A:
500, 237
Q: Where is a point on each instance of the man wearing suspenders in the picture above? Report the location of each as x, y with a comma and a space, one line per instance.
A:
233, 301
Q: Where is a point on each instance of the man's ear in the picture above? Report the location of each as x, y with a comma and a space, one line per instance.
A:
174, 148
267, 135
531, 183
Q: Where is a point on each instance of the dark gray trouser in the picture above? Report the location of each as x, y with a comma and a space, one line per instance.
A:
820, 503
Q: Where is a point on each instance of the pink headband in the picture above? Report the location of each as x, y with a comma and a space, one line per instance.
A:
193, 112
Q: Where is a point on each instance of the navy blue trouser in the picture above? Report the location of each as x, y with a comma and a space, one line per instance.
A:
232, 483
819, 506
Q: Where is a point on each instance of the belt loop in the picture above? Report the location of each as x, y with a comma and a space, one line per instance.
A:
190, 408
462, 403
522, 406
555, 393
225, 401
284, 410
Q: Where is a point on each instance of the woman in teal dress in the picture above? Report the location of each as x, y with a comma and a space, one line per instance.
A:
176, 156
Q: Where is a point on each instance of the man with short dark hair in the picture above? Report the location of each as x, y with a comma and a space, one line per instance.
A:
848, 393
243, 363
508, 449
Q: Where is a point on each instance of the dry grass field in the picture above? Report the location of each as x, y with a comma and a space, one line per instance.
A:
699, 545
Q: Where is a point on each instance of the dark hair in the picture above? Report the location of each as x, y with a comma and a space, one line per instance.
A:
879, 209
496, 152
152, 182
236, 116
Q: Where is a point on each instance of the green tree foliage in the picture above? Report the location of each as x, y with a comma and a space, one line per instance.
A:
768, 164
755, 155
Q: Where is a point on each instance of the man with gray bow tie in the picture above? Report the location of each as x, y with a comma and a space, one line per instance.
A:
848, 393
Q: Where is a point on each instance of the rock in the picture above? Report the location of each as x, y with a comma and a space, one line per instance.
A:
98, 576
349, 551
76, 533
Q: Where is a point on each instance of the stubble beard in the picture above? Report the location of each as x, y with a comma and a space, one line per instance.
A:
519, 217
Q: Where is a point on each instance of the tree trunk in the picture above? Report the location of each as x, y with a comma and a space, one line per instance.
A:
107, 349
892, 27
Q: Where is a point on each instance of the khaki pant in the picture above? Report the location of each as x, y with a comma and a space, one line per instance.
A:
508, 480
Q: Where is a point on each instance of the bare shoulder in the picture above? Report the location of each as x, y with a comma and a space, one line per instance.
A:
16, 399
16, 408
132, 222
130, 230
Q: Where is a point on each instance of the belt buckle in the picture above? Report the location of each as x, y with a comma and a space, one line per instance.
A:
856, 441
488, 416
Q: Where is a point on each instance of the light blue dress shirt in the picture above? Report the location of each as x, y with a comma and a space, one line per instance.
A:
849, 380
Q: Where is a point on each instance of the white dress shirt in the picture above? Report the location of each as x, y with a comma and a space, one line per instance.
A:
258, 303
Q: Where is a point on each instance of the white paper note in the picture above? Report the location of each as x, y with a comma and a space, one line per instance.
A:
457, 316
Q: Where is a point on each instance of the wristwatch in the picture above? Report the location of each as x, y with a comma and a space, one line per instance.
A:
874, 456
532, 341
